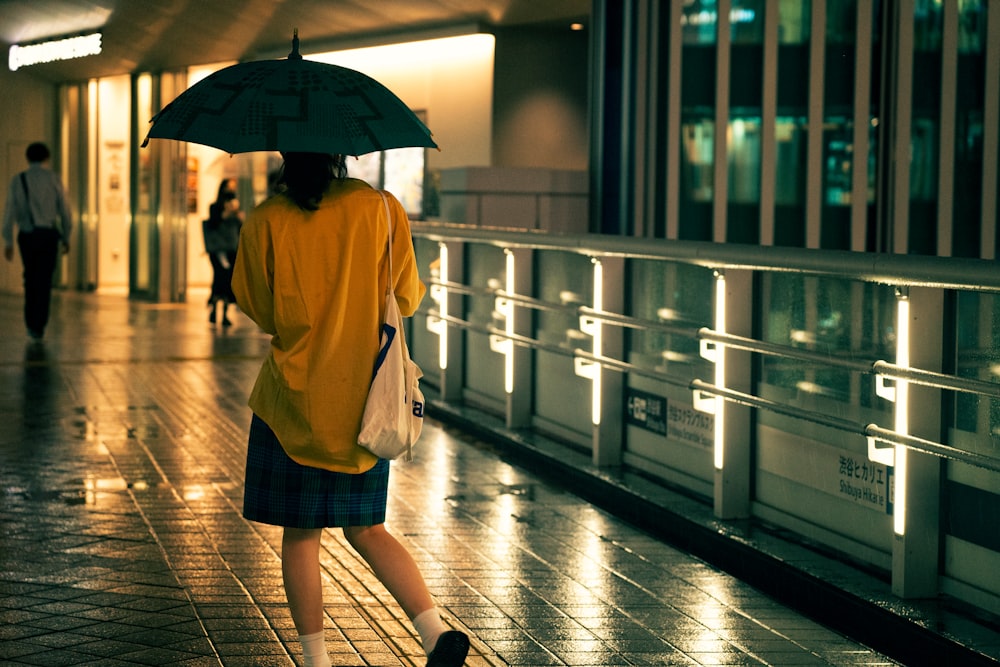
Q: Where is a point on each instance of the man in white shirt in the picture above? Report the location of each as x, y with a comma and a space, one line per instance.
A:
36, 204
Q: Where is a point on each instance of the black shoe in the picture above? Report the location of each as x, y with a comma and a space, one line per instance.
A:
36, 334
450, 651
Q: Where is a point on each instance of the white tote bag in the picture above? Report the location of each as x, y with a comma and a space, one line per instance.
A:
394, 410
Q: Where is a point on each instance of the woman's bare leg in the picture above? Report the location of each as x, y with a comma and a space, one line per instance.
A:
300, 572
393, 565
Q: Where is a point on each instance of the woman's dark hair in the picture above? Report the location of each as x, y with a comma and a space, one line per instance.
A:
306, 176
226, 188
226, 193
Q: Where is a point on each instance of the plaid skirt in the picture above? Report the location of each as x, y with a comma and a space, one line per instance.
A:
281, 492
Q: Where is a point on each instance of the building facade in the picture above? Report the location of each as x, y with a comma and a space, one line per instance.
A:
707, 109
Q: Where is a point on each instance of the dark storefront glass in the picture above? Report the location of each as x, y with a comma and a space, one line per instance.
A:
838, 126
698, 63
794, 22
967, 201
926, 127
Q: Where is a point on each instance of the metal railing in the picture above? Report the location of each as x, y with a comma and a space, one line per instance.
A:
899, 271
908, 381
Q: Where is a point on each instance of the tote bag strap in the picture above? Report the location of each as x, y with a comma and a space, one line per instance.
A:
389, 291
388, 220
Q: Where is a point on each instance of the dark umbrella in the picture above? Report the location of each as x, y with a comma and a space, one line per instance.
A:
290, 105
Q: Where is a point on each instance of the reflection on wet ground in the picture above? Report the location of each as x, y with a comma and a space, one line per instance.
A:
121, 540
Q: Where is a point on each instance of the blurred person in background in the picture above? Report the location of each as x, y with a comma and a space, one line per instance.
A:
221, 232
37, 206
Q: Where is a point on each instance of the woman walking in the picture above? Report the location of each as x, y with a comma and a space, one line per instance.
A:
221, 232
312, 271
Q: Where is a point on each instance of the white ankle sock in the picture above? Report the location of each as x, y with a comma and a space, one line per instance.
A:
429, 626
314, 650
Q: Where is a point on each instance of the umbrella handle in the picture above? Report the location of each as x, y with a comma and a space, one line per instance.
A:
295, 55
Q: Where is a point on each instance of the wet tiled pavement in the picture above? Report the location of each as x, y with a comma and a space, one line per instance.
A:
122, 543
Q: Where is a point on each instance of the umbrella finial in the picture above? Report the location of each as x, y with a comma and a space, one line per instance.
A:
295, 55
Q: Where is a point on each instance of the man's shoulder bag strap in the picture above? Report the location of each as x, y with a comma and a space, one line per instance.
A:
27, 199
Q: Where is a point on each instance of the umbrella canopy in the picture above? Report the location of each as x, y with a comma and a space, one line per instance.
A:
290, 105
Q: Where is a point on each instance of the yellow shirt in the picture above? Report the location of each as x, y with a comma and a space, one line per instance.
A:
315, 281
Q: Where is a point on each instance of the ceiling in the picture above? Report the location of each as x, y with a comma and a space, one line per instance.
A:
155, 35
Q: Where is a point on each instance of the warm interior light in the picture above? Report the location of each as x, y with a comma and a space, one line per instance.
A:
371, 60
53, 50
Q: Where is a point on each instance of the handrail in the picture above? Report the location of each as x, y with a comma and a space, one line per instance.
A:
638, 323
900, 270
891, 269
775, 349
538, 304
780, 408
929, 447
870, 430
937, 380
877, 367
534, 343
873, 431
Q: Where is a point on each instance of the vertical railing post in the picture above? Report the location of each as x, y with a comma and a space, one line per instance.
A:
733, 436
917, 497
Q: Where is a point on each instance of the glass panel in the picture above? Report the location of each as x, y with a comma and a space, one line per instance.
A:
145, 200
838, 105
838, 153
678, 295
665, 434
969, 109
928, 19
698, 82
697, 179
978, 335
971, 26
841, 25
746, 22
794, 18
743, 152
562, 399
484, 368
842, 319
791, 123
926, 127
423, 344
700, 19
790, 181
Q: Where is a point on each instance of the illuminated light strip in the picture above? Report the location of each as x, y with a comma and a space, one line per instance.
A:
508, 369
595, 402
720, 371
439, 294
591, 326
709, 351
58, 49
902, 414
